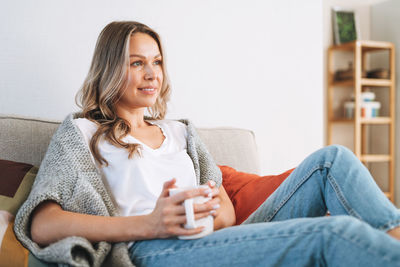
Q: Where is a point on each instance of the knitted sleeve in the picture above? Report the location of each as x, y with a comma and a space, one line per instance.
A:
68, 177
205, 167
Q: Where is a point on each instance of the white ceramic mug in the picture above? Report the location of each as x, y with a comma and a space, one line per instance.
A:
191, 223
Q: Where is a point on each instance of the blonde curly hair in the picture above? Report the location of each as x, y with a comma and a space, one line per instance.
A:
106, 80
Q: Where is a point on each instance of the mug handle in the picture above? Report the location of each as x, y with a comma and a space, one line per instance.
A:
190, 222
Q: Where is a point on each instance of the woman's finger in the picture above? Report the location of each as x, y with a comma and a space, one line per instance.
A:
214, 192
211, 183
178, 209
181, 219
214, 189
208, 206
183, 231
178, 220
191, 193
202, 215
167, 185
214, 213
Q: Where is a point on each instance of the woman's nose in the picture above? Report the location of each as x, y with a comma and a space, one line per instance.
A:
149, 73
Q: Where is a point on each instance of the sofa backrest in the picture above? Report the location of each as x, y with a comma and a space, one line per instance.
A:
26, 140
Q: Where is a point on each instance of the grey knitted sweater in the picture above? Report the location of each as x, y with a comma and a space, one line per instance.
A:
69, 177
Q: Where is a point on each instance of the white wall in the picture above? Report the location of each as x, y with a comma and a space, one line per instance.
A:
255, 64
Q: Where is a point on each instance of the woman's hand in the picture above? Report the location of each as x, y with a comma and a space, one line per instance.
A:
224, 214
168, 217
215, 201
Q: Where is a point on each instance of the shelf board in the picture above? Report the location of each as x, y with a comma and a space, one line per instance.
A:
377, 120
342, 120
375, 158
364, 82
375, 82
344, 83
367, 45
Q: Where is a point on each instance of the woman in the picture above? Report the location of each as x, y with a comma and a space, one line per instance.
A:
101, 194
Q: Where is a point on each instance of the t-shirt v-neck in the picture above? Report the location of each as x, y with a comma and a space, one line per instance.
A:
131, 139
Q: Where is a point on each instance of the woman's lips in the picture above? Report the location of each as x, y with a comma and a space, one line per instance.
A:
148, 90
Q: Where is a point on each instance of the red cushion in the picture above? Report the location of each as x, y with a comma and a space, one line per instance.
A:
248, 191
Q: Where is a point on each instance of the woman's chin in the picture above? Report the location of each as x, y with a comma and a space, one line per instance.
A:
149, 104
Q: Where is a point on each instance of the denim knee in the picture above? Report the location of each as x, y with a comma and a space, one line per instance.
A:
344, 223
339, 151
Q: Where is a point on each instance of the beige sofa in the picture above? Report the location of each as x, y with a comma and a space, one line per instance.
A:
25, 139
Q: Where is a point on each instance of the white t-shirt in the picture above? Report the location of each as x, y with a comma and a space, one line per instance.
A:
137, 183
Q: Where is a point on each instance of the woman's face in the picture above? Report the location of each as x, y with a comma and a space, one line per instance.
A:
145, 73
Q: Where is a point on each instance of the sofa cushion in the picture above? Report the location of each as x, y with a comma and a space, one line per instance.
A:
24, 139
16, 180
232, 147
248, 191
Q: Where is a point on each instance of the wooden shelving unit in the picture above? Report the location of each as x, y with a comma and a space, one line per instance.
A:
360, 49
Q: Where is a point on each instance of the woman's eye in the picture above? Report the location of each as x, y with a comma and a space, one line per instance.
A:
158, 62
136, 63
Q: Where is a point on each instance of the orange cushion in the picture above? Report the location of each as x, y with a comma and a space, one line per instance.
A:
248, 191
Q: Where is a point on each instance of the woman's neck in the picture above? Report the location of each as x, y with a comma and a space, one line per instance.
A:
134, 117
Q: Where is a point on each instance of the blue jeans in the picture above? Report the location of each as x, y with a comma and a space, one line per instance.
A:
290, 229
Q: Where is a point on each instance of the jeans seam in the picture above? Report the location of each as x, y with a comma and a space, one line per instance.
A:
227, 242
299, 184
389, 226
341, 197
